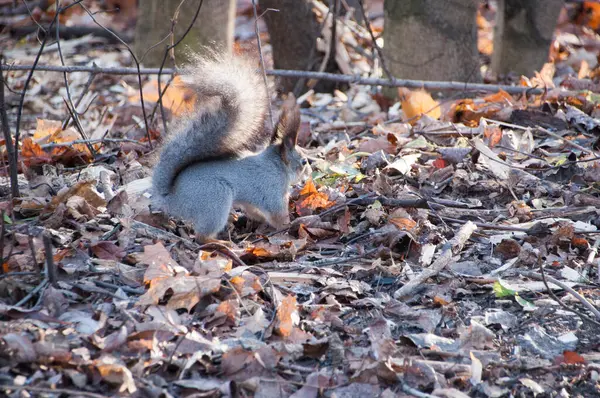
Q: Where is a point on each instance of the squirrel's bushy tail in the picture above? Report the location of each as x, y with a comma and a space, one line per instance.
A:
230, 129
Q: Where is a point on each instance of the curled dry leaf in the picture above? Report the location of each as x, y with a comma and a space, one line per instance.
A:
116, 373
185, 291
417, 103
287, 316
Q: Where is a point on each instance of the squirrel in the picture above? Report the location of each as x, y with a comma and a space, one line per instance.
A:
225, 156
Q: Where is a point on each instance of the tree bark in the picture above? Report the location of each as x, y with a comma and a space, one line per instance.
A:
431, 39
213, 27
293, 32
523, 35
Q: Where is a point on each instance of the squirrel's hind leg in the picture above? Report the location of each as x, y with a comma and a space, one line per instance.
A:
276, 211
212, 212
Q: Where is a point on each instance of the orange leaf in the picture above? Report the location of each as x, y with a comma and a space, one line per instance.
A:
440, 301
570, 357
404, 224
579, 242
590, 15
287, 316
178, 98
316, 201
310, 200
229, 309
46, 128
492, 135
309, 188
33, 153
417, 103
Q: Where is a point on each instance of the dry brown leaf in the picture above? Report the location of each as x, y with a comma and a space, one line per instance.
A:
417, 103
177, 98
287, 316
185, 291
160, 264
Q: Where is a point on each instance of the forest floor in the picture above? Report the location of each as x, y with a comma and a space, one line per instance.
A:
445, 245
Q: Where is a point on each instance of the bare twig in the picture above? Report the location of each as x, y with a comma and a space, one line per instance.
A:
567, 142
449, 253
387, 72
224, 250
1, 242
32, 293
544, 278
82, 95
93, 141
10, 149
262, 61
69, 101
32, 69
32, 247
50, 266
137, 64
354, 79
167, 51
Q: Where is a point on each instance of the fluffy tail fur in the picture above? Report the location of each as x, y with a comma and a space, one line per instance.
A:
234, 128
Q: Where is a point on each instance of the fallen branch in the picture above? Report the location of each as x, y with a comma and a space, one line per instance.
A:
448, 255
90, 141
569, 289
158, 234
355, 79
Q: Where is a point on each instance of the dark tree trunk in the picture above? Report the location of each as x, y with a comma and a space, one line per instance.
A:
431, 39
213, 27
293, 33
523, 35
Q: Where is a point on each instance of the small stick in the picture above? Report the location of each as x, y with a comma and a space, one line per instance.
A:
262, 61
32, 247
50, 266
569, 289
2, 242
449, 252
10, 148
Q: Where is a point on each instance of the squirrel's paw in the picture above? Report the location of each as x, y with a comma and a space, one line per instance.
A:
279, 220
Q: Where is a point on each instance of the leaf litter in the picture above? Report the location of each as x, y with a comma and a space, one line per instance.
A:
414, 263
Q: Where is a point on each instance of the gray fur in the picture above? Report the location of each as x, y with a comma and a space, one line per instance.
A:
236, 128
205, 169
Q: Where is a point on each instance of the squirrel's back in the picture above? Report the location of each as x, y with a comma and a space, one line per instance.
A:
234, 127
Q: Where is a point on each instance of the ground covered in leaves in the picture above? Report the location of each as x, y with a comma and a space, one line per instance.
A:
446, 245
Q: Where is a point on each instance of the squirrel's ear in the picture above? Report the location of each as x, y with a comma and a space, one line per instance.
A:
288, 125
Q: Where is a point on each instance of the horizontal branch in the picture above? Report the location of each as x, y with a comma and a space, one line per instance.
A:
355, 79
91, 141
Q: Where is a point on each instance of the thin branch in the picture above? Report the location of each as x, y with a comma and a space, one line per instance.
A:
387, 72
569, 289
10, 149
354, 79
137, 64
88, 142
82, 95
168, 49
1, 242
50, 266
31, 70
262, 61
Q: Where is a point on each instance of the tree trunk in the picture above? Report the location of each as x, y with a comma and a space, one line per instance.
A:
213, 27
431, 39
523, 35
293, 32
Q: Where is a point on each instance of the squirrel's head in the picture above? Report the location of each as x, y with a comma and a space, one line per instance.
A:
286, 131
